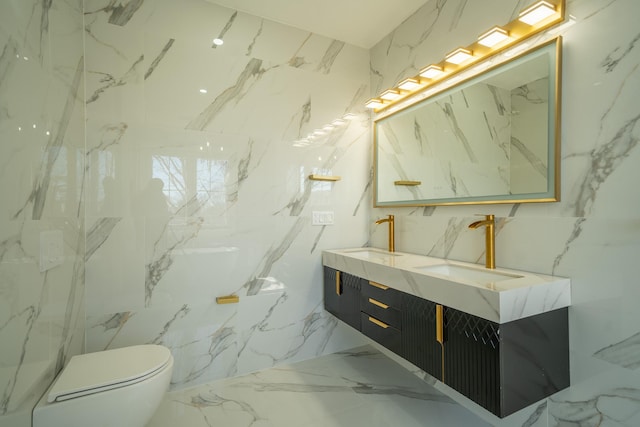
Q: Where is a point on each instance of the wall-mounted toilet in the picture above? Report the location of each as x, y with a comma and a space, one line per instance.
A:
121, 387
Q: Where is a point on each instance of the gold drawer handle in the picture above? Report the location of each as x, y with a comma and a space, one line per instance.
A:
408, 183
378, 303
378, 285
377, 322
338, 290
439, 324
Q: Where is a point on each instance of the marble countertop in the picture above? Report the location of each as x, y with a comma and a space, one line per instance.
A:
510, 295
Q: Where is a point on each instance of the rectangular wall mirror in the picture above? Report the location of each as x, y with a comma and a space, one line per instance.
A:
493, 138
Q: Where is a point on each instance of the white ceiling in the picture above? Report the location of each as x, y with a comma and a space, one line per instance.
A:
359, 22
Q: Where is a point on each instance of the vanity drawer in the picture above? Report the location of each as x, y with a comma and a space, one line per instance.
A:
381, 332
381, 311
382, 293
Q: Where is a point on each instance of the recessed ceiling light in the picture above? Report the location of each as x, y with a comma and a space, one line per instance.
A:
218, 42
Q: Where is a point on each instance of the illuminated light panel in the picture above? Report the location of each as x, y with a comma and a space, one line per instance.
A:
493, 37
390, 95
410, 84
431, 71
203, 91
459, 56
537, 12
374, 103
218, 42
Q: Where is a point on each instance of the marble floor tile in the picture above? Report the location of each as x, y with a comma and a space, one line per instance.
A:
360, 387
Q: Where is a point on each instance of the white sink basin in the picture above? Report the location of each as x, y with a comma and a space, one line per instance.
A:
482, 277
372, 254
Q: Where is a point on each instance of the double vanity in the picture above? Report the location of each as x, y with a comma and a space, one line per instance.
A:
497, 336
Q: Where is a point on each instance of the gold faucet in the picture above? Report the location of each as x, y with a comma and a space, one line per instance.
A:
490, 239
392, 237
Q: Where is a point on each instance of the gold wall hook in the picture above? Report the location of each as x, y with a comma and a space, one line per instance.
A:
407, 183
324, 178
228, 299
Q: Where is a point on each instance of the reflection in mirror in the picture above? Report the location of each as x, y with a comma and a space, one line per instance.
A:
490, 139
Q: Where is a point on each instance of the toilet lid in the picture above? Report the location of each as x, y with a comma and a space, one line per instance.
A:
105, 370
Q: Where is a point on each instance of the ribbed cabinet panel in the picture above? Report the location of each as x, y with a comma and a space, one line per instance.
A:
419, 345
331, 298
350, 301
472, 358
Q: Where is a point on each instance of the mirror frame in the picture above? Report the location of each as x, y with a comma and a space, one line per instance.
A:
553, 147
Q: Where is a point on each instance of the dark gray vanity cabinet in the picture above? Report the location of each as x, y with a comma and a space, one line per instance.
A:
502, 367
342, 296
506, 367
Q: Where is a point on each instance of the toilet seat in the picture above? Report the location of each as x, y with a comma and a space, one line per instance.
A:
106, 370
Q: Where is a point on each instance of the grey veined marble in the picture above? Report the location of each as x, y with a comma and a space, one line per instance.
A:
625, 353
360, 387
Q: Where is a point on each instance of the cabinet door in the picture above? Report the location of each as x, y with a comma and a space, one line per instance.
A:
419, 340
342, 296
472, 358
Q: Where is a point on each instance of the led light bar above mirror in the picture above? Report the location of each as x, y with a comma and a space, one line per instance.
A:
532, 20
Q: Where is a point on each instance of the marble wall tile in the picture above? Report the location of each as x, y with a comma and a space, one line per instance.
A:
591, 235
195, 195
233, 213
430, 33
41, 185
